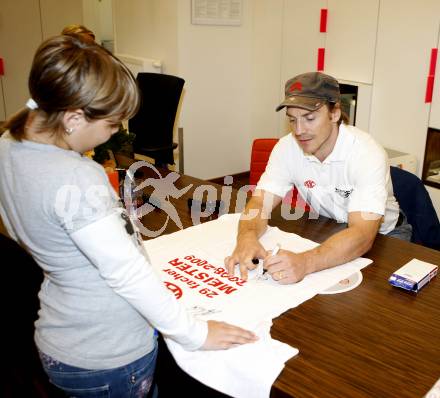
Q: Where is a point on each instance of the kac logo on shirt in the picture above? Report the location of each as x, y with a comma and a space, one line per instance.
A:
309, 184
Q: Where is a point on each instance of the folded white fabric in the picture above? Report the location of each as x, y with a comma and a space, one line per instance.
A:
247, 371
191, 264
434, 392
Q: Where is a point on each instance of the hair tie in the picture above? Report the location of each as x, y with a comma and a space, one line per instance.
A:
31, 104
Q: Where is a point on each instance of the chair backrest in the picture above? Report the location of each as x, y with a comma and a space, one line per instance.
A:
261, 150
154, 122
416, 203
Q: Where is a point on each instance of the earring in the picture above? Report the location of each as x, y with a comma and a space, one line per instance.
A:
69, 130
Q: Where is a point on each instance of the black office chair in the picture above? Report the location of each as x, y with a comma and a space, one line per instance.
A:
154, 122
416, 203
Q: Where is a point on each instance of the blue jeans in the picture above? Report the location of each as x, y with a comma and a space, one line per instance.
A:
130, 381
402, 231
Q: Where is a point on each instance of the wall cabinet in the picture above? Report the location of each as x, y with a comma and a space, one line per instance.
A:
24, 24
434, 123
351, 39
2, 104
399, 113
300, 37
434, 115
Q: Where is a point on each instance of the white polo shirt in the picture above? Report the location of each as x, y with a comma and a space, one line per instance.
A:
354, 177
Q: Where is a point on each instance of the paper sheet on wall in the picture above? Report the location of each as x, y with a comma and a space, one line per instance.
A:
191, 264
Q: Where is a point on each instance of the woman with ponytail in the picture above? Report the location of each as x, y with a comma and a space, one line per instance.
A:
100, 300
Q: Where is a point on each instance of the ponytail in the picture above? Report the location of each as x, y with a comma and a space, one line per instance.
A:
15, 124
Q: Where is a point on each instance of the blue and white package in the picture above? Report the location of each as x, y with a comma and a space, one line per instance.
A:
413, 275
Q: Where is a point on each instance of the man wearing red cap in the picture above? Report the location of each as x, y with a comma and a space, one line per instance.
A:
338, 169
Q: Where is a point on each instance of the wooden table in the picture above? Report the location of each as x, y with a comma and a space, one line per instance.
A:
373, 341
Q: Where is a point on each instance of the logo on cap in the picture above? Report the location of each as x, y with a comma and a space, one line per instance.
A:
295, 86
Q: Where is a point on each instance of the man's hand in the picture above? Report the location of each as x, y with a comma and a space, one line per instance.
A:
253, 223
247, 249
286, 267
352, 242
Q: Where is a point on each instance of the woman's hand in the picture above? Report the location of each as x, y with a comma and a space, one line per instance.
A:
222, 335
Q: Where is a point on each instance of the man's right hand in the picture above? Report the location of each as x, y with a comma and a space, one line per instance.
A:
247, 249
222, 335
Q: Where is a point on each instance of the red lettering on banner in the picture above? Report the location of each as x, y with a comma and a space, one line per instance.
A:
215, 283
183, 267
175, 262
198, 261
201, 275
176, 290
190, 272
182, 278
193, 271
193, 284
208, 293
227, 289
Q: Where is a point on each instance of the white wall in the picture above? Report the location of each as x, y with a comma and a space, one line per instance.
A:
56, 14
266, 83
215, 61
98, 17
164, 31
106, 19
232, 75
91, 17
133, 20
147, 28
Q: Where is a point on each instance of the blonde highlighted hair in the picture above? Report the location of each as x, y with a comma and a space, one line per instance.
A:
80, 30
69, 73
